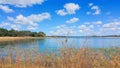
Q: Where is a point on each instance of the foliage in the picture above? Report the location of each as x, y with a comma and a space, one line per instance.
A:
12, 32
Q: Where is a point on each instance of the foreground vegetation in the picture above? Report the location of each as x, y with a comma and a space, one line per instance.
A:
64, 58
15, 33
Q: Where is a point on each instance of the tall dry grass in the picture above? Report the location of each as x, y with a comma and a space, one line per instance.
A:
8, 39
67, 57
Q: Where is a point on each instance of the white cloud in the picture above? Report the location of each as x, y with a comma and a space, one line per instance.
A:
86, 30
94, 23
110, 28
31, 20
21, 3
112, 25
27, 22
87, 23
60, 26
15, 27
10, 25
73, 20
63, 30
61, 12
69, 8
88, 13
84, 27
97, 10
31, 28
98, 22
90, 4
4, 24
94, 8
6, 9
90, 28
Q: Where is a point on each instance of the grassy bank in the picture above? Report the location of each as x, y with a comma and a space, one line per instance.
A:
4, 39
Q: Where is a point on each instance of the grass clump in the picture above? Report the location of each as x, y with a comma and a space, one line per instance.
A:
66, 57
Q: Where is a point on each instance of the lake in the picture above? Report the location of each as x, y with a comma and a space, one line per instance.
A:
53, 44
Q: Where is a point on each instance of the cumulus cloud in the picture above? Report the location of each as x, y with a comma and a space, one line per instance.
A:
89, 28
61, 12
84, 28
98, 22
6, 9
73, 20
69, 8
21, 3
74, 30
90, 4
63, 30
31, 28
15, 26
97, 10
87, 23
112, 25
110, 28
94, 23
94, 8
31, 20
3, 24
88, 13
10, 25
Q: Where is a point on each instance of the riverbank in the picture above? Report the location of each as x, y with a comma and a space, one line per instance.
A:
5, 39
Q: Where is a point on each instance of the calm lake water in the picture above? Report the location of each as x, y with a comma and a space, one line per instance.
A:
53, 44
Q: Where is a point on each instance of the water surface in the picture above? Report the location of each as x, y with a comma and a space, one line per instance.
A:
53, 44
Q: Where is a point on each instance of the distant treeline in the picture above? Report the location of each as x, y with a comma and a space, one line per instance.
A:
15, 33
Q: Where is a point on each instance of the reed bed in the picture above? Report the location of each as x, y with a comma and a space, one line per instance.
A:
66, 57
5, 39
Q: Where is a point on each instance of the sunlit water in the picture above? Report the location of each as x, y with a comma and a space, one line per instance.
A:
53, 44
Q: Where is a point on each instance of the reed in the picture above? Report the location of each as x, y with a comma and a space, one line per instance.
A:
8, 39
67, 57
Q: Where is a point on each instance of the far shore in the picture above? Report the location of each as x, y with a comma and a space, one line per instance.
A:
5, 39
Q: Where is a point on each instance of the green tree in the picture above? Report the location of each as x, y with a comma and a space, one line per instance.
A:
3, 32
41, 34
12, 32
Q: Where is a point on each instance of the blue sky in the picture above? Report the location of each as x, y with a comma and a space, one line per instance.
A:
62, 17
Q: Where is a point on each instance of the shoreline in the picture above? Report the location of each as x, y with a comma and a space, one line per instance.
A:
7, 39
